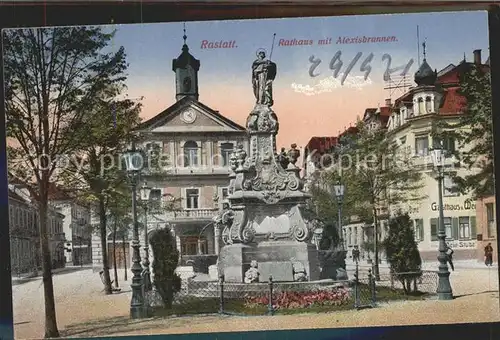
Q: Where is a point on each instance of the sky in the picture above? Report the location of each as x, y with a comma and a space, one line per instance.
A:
327, 108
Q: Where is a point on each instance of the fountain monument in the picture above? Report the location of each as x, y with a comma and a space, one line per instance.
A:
264, 228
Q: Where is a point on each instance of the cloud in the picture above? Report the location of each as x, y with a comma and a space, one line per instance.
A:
331, 83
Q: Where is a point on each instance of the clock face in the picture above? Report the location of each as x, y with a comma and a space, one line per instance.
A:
189, 116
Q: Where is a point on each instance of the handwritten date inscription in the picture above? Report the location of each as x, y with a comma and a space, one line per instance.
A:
336, 64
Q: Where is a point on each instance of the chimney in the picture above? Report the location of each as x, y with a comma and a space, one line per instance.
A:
388, 102
477, 57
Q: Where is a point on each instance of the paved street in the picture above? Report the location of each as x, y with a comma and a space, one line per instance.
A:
83, 309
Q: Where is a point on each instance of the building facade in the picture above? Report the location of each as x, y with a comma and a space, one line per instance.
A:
486, 226
196, 142
409, 124
24, 229
76, 226
24, 234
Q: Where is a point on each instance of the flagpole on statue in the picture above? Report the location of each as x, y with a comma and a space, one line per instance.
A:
272, 47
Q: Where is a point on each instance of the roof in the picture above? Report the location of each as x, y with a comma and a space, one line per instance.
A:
184, 59
425, 75
449, 78
382, 113
452, 102
452, 75
186, 101
321, 144
15, 195
351, 130
368, 112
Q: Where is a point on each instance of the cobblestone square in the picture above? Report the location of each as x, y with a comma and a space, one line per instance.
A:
83, 310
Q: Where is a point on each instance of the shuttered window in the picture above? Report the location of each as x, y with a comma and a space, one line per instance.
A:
419, 229
434, 229
473, 230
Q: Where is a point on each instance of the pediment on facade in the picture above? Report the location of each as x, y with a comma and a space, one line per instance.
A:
188, 115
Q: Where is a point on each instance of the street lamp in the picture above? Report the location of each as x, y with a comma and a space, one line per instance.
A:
339, 191
145, 193
444, 287
134, 164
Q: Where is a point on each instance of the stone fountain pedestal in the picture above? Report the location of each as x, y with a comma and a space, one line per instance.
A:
264, 220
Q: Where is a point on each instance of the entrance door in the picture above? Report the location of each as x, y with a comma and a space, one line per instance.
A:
121, 255
189, 245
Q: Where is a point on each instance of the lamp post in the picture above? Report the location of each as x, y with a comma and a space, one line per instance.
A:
134, 164
444, 287
145, 193
339, 191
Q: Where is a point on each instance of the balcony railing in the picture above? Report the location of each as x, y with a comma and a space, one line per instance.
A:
191, 214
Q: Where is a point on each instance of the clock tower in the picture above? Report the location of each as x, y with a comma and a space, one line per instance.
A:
186, 73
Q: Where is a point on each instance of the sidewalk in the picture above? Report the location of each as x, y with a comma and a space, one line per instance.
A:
460, 264
27, 277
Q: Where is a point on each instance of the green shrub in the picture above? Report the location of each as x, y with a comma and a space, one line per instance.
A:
166, 257
402, 252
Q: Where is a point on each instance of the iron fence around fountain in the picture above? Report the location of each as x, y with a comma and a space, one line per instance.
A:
269, 298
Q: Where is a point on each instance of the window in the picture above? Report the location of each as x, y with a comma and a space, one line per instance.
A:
428, 108
421, 106
155, 199
355, 235
449, 186
419, 229
448, 227
192, 198
225, 193
190, 154
490, 218
448, 144
464, 228
226, 149
421, 146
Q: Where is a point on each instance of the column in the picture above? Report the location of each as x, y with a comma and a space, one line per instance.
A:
172, 155
432, 103
210, 151
216, 239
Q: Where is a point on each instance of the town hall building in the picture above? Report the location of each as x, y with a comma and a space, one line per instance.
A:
197, 141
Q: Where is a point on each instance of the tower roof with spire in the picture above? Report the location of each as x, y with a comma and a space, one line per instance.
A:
425, 75
185, 58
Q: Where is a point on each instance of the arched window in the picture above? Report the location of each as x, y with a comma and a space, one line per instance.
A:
226, 149
190, 153
421, 106
428, 105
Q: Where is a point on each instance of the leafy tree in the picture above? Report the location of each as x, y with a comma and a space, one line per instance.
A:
402, 251
473, 134
378, 175
52, 76
103, 177
166, 257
